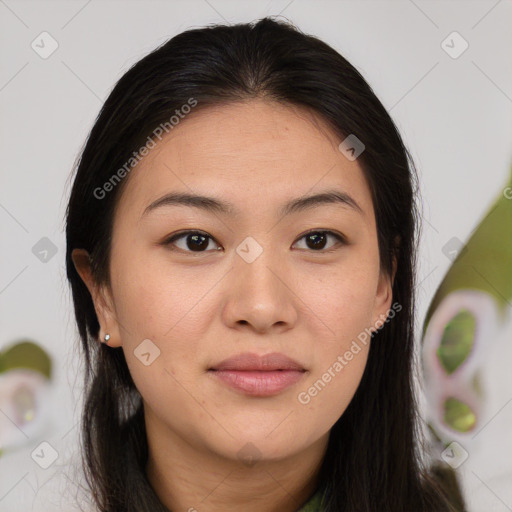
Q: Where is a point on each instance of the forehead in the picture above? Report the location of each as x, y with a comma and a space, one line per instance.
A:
255, 154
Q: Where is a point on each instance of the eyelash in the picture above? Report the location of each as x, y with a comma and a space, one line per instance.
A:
341, 239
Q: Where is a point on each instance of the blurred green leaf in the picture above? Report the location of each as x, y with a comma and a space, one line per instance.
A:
458, 415
26, 354
457, 340
485, 263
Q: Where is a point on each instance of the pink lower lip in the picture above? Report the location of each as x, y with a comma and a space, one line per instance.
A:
259, 383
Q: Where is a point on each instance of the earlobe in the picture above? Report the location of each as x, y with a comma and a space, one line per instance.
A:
103, 304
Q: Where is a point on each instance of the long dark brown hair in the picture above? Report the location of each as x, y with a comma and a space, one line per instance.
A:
375, 459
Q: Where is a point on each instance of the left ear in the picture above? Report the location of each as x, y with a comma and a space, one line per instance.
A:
383, 297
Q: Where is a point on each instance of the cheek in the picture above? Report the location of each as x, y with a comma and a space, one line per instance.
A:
338, 368
158, 301
330, 388
153, 304
343, 298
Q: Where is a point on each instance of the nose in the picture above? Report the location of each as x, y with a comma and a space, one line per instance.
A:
260, 293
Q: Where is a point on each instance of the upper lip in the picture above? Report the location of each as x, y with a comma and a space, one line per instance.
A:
253, 362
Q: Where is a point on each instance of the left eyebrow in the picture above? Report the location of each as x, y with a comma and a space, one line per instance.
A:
326, 197
214, 205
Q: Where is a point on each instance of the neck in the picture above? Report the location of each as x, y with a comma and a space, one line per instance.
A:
191, 478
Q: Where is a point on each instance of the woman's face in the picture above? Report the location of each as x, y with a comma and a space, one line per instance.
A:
254, 283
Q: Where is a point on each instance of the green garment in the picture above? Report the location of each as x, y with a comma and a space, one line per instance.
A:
314, 503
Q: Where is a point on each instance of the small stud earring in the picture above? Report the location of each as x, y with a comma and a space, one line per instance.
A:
107, 337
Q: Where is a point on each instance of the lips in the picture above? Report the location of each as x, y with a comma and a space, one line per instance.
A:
253, 362
261, 376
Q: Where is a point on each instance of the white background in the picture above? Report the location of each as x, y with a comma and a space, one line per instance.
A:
454, 115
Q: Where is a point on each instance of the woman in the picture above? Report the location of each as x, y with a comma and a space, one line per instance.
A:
241, 250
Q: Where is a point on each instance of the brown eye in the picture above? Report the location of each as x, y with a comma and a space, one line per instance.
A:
317, 240
194, 241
